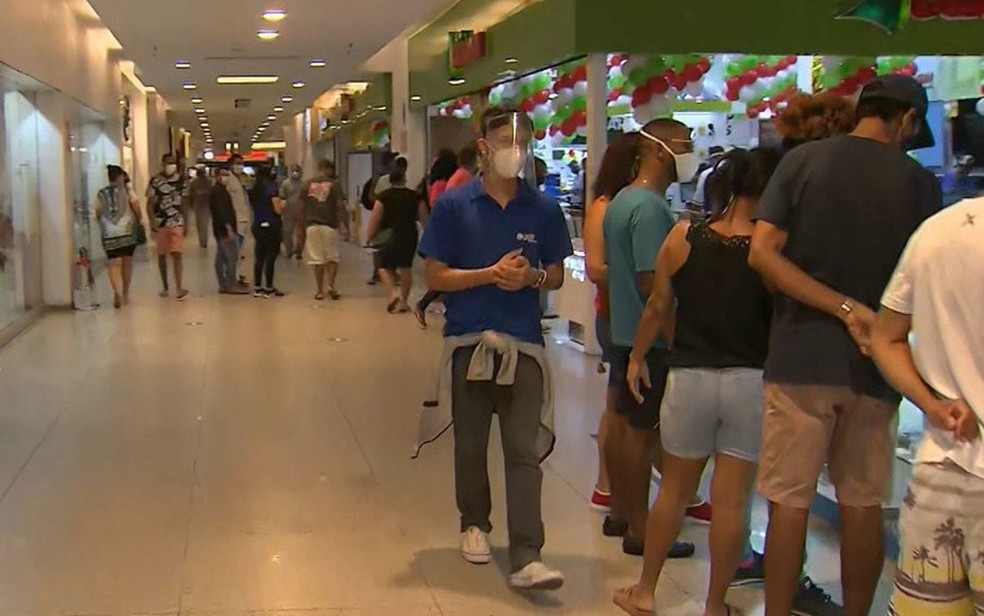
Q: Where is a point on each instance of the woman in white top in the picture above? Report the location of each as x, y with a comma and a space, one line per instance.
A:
119, 216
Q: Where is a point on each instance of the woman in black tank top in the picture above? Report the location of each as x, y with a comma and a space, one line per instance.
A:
716, 311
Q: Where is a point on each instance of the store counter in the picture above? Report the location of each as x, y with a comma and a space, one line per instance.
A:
575, 304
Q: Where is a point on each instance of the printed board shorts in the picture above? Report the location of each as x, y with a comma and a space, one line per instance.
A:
322, 245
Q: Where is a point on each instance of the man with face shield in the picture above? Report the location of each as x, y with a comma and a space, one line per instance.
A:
830, 229
491, 247
637, 221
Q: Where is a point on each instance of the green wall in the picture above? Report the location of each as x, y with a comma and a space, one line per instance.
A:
760, 26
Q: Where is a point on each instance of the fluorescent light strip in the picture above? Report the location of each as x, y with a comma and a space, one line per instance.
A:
196, 101
286, 99
278, 109
318, 64
267, 35
270, 145
188, 85
246, 79
182, 65
274, 15
298, 84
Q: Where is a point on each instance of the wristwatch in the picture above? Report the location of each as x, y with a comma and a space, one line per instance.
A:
541, 278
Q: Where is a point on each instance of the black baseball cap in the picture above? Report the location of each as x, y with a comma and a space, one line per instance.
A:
907, 90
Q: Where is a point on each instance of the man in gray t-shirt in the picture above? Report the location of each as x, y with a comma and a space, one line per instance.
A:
830, 228
322, 225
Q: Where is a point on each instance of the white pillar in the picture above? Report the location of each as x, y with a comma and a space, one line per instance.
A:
597, 117
54, 165
408, 126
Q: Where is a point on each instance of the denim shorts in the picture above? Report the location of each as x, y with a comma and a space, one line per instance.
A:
708, 410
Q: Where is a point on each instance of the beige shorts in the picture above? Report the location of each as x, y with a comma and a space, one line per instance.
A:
805, 426
322, 245
169, 240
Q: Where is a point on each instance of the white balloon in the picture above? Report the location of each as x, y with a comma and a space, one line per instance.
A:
543, 112
625, 99
660, 106
615, 71
746, 93
582, 131
581, 88
694, 88
980, 106
642, 114
783, 75
565, 96
557, 139
458, 113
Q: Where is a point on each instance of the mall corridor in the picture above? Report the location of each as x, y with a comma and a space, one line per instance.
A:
231, 456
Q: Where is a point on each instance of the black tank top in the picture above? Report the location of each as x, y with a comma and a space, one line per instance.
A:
723, 308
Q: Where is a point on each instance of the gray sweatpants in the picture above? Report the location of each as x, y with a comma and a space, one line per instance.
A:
226, 262
518, 407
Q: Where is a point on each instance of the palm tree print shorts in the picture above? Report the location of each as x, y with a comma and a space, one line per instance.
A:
941, 556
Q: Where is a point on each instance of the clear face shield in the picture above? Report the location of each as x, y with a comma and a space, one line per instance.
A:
509, 147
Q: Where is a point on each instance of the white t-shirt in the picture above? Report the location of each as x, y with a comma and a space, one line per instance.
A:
700, 196
940, 283
240, 199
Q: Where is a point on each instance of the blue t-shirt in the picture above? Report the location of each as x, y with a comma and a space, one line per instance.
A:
469, 230
262, 199
636, 223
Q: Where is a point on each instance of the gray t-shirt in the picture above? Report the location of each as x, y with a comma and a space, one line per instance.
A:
849, 206
322, 198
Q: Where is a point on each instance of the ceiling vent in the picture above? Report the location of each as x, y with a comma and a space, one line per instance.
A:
243, 103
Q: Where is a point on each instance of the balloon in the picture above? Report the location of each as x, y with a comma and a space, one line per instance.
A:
694, 88
541, 116
746, 93
641, 97
733, 70
540, 135
565, 96
692, 72
679, 81
748, 78
615, 72
866, 74
979, 107
458, 113
568, 128
582, 131
581, 72
660, 106
581, 88
579, 102
658, 84
704, 65
642, 115
762, 69
637, 76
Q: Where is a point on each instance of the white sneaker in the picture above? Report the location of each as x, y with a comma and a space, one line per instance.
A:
475, 546
537, 575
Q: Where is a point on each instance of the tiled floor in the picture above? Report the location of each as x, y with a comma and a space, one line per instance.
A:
231, 456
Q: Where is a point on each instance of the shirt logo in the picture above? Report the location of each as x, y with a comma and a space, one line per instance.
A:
526, 238
319, 191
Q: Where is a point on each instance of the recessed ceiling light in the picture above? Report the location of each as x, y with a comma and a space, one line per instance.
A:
456, 81
271, 117
416, 97
298, 84
286, 99
267, 35
318, 64
274, 15
199, 111
182, 64
512, 60
196, 101
278, 109
246, 79
189, 85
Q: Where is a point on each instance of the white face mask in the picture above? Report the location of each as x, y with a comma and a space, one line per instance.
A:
508, 162
686, 163
170, 169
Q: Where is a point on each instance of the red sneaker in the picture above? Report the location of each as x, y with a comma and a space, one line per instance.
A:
601, 501
700, 513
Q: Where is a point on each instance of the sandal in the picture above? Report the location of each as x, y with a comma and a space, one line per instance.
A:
391, 307
623, 599
319, 296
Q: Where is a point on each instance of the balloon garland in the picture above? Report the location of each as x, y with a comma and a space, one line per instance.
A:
844, 76
456, 108
654, 81
762, 82
896, 65
380, 132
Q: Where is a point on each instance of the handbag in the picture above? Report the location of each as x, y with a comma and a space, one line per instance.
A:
381, 239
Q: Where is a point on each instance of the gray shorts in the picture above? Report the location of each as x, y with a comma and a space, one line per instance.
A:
707, 411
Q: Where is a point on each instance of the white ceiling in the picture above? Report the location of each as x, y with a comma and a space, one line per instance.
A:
218, 37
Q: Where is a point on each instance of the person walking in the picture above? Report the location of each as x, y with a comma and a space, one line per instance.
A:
830, 229
491, 247
224, 220
118, 217
164, 201
635, 226
935, 297
290, 194
322, 225
200, 190
717, 311
267, 231
396, 214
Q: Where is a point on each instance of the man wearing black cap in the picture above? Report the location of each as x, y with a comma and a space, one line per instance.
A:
830, 228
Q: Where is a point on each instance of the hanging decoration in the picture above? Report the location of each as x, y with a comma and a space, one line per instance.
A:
456, 108
569, 104
653, 82
844, 76
380, 133
761, 82
892, 15
896, 65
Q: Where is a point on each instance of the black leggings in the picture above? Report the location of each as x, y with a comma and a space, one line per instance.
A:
267, 250
428, 299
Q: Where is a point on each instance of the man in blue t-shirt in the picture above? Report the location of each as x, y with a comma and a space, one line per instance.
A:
636, 223
492, 246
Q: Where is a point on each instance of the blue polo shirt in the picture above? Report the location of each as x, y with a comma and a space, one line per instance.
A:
469, 230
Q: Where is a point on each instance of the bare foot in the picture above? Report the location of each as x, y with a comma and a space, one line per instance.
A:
626, 599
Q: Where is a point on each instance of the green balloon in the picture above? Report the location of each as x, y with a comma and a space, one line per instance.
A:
733, 69
637, 77
579, 103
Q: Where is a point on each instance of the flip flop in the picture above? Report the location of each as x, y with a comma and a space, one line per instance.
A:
391, 307
319, 297
623, 599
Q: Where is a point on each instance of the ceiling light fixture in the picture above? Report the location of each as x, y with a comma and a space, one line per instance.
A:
298, 84
182, 65
318, 64
274, 15
456, 81
199, 111
416, 97
196, 101
271, 117
189, 85
227, 80
286, 99
278, 109
270, 145
267, 35
512, 60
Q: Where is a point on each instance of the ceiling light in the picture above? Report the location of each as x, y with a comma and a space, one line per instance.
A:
271, 117
318, 64
182, 64
270, 145
278, 109
246, 79
267, 35
298, 84
286, 99
196, 101
381, 108
512, 60
274, 15
416, 97
189, 85
199, 111
456, 81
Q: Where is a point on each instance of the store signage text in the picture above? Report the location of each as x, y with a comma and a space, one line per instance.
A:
465, 47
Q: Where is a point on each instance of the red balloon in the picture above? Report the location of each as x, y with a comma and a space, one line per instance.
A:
658, 85
613, 95
866, 74
541, 97
704, 65
748, 78
580, 118
762, 69
791, 60
553, 129
580, 73
568, 128
679, 81
669, 74
692, 72
641, 96
753, 112
540, 135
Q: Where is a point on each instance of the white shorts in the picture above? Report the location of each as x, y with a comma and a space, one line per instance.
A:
322, 245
